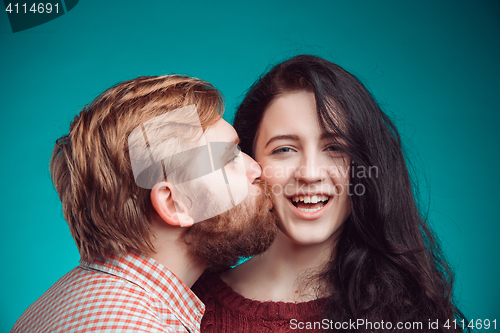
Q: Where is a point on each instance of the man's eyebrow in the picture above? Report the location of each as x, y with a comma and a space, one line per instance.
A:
282, 137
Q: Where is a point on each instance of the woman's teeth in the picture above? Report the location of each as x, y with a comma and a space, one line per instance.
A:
310, 199
310, 210
310, 204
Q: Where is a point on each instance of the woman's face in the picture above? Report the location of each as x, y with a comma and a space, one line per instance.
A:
309, 176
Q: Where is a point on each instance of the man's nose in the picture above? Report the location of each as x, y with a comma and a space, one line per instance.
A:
252, 168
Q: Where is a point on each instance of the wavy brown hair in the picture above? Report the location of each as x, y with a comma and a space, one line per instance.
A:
387, 265
91, 170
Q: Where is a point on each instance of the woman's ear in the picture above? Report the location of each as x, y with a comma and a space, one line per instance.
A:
172, 211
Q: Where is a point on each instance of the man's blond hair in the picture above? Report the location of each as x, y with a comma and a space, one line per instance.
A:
91, 170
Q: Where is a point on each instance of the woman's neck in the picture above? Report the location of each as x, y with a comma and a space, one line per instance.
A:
283, 273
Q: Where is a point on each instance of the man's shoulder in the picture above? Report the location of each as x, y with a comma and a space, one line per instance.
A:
86, 299
83, 282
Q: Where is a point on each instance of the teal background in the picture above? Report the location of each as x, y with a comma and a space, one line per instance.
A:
433, 65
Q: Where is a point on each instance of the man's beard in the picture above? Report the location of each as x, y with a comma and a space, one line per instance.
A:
244, 231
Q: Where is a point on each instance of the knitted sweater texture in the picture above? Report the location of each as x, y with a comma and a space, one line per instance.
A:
228, 311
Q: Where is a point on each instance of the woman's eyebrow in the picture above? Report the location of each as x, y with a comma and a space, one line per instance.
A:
331, 135
282, 137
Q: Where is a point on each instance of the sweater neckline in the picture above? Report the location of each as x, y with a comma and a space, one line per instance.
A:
230, 299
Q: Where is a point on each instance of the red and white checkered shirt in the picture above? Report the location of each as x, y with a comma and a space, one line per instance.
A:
130, 293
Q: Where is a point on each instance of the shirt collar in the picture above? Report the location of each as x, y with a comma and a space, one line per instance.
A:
157, 279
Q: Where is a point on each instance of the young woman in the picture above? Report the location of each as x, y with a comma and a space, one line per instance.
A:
354, 252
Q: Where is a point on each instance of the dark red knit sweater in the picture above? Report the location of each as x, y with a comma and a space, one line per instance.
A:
228, 312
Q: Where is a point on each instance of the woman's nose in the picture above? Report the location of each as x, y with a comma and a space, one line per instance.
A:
309, 170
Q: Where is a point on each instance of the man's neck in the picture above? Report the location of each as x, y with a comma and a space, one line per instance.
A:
172, 252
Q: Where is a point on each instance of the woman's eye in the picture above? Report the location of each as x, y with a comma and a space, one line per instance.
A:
281, 150
332, 148
334, 151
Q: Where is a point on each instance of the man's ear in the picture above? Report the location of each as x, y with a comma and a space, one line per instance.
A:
172, 211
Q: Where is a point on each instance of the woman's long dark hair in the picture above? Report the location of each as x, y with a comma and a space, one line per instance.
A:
387, 265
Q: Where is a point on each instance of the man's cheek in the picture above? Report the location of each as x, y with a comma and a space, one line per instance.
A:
215, 201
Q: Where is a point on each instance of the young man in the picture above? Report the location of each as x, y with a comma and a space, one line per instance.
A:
154, 189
